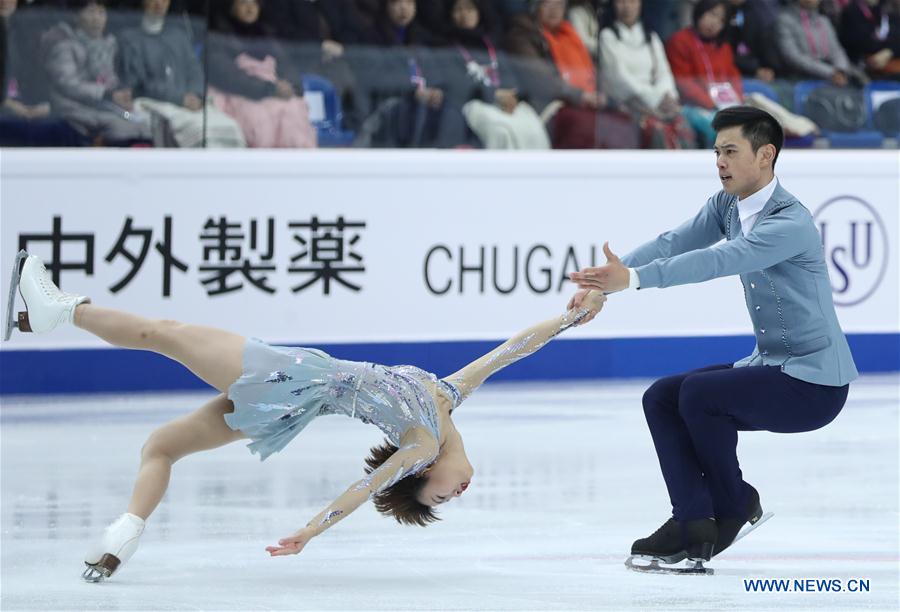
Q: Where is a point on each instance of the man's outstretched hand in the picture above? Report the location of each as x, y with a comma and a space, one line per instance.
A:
612, 277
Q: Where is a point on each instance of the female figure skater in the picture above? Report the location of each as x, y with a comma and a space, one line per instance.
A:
269, 394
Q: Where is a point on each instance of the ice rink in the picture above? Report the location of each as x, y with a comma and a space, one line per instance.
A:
565, 479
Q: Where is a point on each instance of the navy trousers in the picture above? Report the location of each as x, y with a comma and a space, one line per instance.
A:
695, 417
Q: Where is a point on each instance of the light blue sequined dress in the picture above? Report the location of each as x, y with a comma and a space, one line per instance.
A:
283, 388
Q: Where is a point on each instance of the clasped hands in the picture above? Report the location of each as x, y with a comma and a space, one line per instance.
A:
613, 276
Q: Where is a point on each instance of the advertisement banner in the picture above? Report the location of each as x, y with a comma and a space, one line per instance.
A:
423, 246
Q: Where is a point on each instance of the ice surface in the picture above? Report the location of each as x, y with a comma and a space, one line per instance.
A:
565, 479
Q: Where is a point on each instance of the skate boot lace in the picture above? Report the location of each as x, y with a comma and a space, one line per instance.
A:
51, 291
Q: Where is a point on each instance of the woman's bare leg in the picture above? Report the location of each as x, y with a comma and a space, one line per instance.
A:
203, 429
212, 354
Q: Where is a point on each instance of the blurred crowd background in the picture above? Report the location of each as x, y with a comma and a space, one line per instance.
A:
493, 74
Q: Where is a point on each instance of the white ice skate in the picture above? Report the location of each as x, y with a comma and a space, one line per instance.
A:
118, 543
46, 306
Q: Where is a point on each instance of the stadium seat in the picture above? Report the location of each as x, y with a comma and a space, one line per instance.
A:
865, 138
761, 87
325, 111
875, 94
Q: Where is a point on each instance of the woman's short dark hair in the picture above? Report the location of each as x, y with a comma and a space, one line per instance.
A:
757, 126
703, 7
400, 500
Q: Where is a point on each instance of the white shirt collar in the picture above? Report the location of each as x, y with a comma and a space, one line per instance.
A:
753, 204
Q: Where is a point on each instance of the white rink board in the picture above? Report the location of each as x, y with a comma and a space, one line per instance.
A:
544, 208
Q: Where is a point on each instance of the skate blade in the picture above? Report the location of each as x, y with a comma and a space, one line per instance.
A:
93, 574
748, 528
102, 569
691, 567
11, 322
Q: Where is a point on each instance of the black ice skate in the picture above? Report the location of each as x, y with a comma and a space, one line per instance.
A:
672, 543
730, 528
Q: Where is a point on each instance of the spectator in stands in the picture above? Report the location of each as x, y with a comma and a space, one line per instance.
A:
809, 45
313, 33
347, 19
751, 34
404, 82
159, 65
870, 32
510, 10
638, 77
483, 86
397, 23
557, 68
662, 17
85, 89
709, 80
253, 81
831, 9
584, 15
25, 118
704, 67
433, 14
363, 15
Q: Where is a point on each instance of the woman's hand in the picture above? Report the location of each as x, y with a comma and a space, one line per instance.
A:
331, 50
586, 298
192, 102
122, 97
284, 89
595, 301
430, 96
879, 60
765, 74
668, 107
593, 100
506, 99
28, 112
292, 544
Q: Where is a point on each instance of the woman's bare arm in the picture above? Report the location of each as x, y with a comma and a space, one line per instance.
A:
523, 344
418, 449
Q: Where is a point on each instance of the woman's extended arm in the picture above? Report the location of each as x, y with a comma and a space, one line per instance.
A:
418, 449
522, 345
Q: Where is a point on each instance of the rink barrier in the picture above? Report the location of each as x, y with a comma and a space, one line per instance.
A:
32, 372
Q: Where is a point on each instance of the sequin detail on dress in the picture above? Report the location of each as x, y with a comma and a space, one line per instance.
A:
282, 389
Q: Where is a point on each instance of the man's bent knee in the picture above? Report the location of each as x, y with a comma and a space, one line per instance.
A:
657, 396
693, 398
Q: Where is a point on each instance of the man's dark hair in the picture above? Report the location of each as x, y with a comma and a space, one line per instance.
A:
757, 126
400, 499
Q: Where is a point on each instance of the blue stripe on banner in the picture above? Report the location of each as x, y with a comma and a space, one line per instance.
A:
118, 370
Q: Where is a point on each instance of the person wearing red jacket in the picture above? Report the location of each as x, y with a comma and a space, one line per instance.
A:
704, 68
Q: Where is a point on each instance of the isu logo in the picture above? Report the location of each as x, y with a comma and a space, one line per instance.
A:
856, 248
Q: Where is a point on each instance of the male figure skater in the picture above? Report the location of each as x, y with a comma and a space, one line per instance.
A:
798, 375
